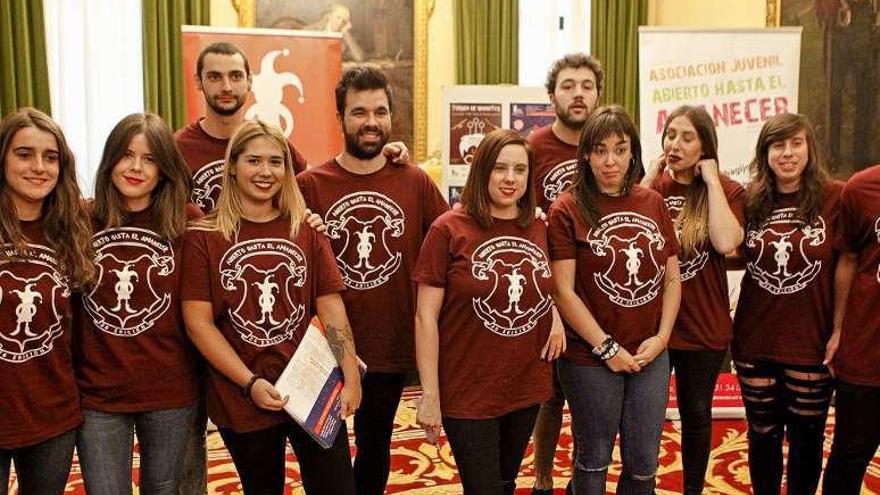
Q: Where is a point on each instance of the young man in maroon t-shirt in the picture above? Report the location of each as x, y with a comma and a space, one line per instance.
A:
574, 84
377, 213
223, 75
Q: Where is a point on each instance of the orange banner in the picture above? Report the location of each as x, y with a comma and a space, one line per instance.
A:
294, 75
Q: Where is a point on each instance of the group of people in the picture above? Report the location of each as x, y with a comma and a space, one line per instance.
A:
181, 291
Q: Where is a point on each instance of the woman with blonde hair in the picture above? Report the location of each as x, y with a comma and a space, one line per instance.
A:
706, 208
45, 255
134, 364
253, 275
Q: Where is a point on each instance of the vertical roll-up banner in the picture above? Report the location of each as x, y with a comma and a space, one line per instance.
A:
294, 76
741, 76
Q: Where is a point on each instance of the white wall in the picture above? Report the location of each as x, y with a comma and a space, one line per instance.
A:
541, 41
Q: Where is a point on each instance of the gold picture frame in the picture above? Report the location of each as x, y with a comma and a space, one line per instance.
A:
772, 11
247, 16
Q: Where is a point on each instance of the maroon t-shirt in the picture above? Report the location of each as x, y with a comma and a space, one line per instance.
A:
785, 307
376, 223
704, 315
38, 395
496, 313
131, 349
859, 350
620, 265
555, 165
262, 288
205, 155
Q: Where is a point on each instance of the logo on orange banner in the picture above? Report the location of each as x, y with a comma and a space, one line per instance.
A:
294, 76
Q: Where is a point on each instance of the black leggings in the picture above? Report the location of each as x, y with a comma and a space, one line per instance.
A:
488, 452
373, 426
785, 400
856, 438
259, 459
695, 376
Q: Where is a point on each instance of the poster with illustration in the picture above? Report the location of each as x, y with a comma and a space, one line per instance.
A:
526, 117
468, 123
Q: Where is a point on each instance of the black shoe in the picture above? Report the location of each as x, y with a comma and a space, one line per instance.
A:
568, 489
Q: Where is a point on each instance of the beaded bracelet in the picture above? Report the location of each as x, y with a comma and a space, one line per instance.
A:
603, 347
612, 351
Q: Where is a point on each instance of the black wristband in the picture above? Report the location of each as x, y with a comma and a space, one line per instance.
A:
603, 347
246, 390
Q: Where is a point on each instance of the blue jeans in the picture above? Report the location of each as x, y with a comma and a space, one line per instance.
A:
603, 403
194, 472
105, 442
42, 469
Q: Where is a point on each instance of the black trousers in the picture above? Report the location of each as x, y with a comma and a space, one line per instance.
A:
488, 452
856, 438
782, 401
695, 375
373, 426
259, 459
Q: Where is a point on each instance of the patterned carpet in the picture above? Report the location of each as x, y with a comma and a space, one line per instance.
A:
419, 468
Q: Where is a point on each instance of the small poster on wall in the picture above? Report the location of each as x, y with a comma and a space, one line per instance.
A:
468, 123
526, 117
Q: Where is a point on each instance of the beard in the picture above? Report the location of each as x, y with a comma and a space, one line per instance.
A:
364, 151
569, 122
226, 111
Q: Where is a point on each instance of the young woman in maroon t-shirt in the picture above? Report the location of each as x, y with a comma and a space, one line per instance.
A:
706, 207
483, 318
134, 364
45, 254
254, 274
784, 314
617, 286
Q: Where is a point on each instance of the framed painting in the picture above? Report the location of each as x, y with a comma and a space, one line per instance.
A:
840, 68
388, 34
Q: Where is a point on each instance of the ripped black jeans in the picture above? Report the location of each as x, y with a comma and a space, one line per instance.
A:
785, 400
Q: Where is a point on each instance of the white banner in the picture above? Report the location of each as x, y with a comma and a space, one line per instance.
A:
741, 76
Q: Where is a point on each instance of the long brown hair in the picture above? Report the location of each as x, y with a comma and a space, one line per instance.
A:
610, 120
475, 196
761, 194
168, 199
227, 215
693, 219
64, 220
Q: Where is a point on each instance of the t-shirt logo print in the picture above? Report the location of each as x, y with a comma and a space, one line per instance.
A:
690, 267
261, 275
516, 302
207, 182
360, 226
633, 241
783, 265
124, 256
32, 296
559, 179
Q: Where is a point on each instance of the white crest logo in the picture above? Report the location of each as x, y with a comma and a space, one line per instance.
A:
635, 241
33, 301
559, 179
207, 182
781, 238
690, 267
514, 265
263, 274
360, 226
268, 87
468, 144
124, 256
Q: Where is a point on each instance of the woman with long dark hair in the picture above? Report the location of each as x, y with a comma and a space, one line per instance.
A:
45, 255
706, 208
134, 364
615, 263
484, 314
784, 318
